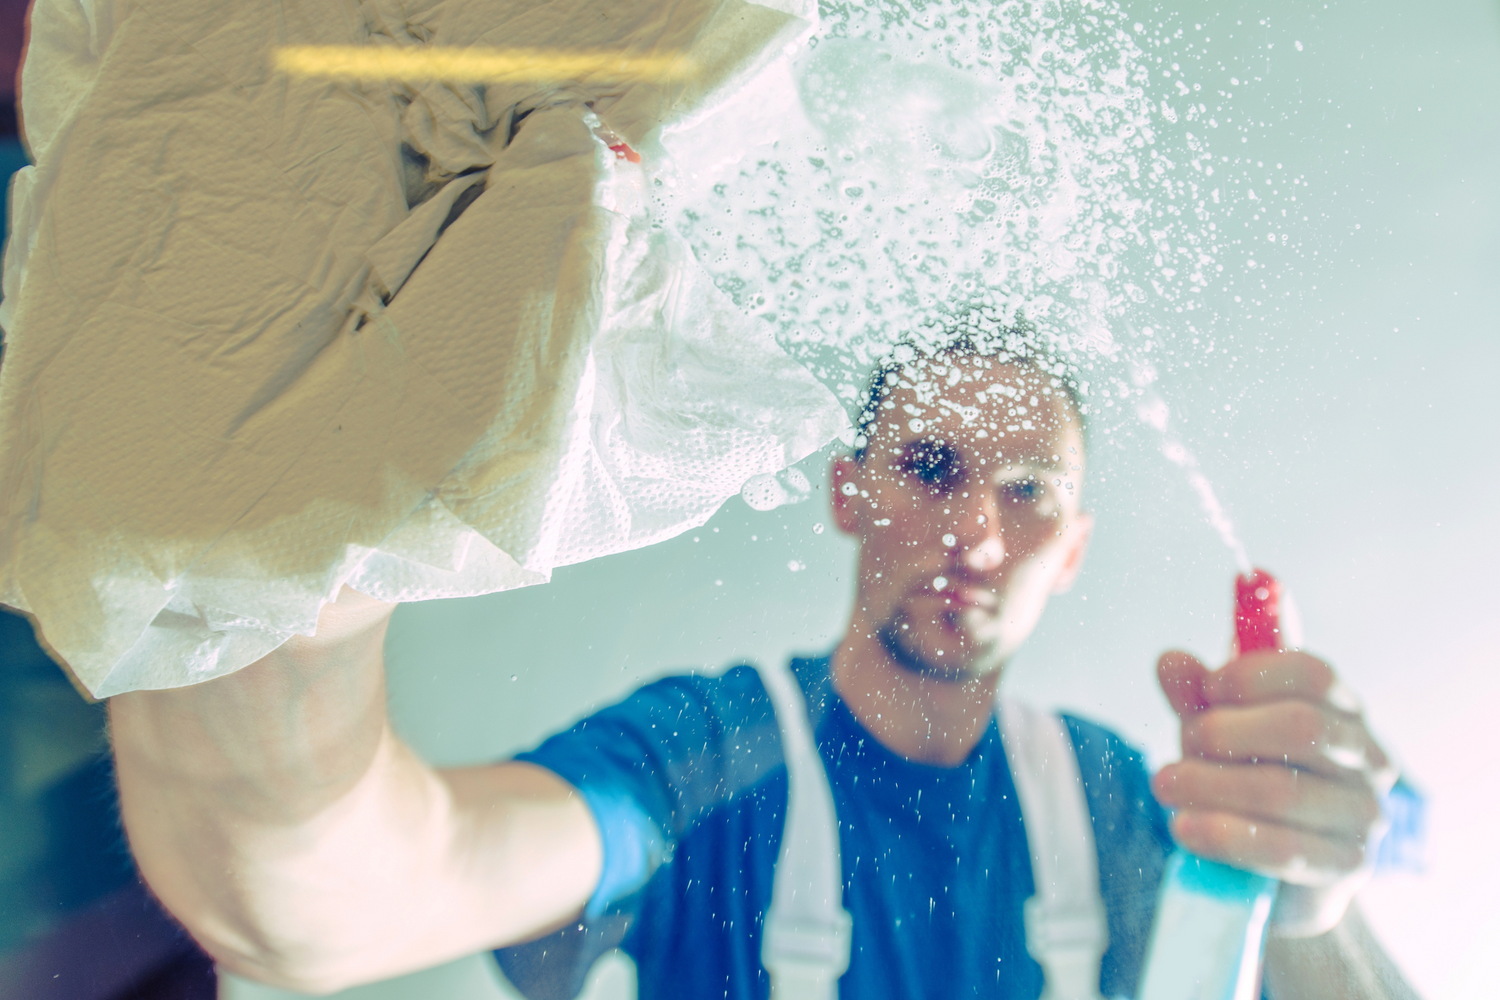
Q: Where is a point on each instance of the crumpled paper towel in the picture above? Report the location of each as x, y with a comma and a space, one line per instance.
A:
270, 335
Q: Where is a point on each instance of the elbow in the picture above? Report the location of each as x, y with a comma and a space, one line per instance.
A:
262, 950
296, 970
306, 980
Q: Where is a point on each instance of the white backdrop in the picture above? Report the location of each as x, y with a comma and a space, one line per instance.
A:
1354, 443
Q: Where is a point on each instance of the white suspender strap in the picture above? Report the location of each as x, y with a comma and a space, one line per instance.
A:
1066, 928
805, 946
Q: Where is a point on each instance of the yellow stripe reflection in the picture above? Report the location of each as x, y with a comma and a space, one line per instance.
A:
473, 65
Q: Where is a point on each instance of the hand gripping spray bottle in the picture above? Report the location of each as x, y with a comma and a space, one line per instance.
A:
1209, 934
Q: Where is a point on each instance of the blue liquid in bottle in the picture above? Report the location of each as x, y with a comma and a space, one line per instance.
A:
1209, 934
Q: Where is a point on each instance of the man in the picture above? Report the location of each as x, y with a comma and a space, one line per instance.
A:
278, 816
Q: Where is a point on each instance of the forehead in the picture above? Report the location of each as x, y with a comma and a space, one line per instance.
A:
1008, 411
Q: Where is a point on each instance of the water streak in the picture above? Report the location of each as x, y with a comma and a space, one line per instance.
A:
1154, 413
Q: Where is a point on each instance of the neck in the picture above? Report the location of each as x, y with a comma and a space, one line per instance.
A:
927, 719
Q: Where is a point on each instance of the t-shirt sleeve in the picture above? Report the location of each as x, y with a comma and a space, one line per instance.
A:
1133, 840
649, 768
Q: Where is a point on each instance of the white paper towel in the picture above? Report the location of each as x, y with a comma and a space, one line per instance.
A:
267, 335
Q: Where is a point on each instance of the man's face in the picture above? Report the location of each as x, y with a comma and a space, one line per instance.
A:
966, 507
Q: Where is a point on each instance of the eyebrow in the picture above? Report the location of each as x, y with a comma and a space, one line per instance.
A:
1026, 463
1025, 467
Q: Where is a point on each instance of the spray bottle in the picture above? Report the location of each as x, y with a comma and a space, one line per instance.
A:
1209, 934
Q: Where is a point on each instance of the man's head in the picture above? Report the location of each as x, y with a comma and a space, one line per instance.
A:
964, 493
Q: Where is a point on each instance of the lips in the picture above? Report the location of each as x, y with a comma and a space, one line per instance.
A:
962, 595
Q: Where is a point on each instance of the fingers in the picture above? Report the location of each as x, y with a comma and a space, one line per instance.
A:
1271, 793
1297, 733
1274, 676
1292, 855
1183, 678
1287, 706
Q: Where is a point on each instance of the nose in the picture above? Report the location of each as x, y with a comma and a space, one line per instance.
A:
985, 558
976, 535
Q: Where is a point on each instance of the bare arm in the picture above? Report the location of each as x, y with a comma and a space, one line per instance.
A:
279, 818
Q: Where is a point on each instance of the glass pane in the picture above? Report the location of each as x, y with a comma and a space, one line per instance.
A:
1258, 239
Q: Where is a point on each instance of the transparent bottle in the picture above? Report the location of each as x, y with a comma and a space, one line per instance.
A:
1208, 937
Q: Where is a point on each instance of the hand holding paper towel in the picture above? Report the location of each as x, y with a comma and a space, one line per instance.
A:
268, 335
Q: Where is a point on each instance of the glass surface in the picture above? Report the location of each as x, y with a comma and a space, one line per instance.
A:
1343, 422
1336, 397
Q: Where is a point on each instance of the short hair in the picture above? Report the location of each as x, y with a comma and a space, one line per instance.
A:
974, 336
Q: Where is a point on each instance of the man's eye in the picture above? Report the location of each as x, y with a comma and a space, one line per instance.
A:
1023, 491
937, 465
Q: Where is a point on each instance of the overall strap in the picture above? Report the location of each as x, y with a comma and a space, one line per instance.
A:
1066, 928
805, 946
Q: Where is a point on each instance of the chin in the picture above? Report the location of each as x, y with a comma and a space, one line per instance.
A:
960, 663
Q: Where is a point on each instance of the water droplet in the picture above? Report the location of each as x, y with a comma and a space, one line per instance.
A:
512, 676
939, 582
818, 528
950, 540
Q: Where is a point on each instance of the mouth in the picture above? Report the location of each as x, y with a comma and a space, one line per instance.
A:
956, 594
960, 612
939, 633
947, 625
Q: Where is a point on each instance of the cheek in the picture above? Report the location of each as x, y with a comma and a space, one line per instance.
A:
911, 521
900, 536
1039, 559
897, 499
1025, 597
1023, 542
893, 535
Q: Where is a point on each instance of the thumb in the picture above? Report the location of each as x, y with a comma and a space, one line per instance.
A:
1183, 676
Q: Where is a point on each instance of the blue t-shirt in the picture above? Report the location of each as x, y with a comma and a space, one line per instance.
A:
687, 782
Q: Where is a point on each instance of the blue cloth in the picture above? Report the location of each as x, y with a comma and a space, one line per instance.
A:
1403, 848
687, 781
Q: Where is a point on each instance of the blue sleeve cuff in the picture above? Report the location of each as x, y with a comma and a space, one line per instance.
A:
633, 848
633, 845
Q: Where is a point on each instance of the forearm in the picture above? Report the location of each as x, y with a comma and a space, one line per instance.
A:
1347, 963
276, 741
240, 795
279, 818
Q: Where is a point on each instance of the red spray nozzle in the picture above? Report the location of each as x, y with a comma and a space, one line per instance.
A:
624, 152
1258, 612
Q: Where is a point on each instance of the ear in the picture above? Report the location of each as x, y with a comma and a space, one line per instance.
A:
1080, 530
846, 513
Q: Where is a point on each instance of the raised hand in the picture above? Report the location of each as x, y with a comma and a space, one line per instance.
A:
1278, 775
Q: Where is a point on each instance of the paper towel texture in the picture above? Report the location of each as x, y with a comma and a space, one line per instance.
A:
266, 336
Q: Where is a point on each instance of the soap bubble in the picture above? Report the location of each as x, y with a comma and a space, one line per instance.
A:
772, 490
935, 157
